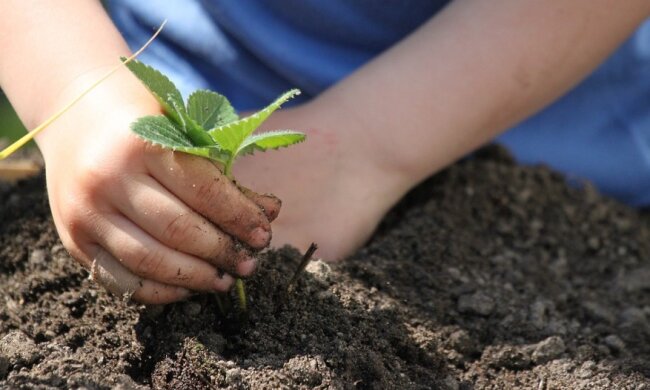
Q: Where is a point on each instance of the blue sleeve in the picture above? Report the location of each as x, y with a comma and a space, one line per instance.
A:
254, 50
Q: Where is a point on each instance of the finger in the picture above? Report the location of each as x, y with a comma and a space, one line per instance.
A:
158, 212
154, 293
109, 273
269, 203
199, 184
146, 257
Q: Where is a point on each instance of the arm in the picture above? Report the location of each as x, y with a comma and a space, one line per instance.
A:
169, 218
469, 73
475, 70
47, 47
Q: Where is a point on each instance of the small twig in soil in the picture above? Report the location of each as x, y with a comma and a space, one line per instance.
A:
301, 267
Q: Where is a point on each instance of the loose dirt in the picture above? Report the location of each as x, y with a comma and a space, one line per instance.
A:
489, 275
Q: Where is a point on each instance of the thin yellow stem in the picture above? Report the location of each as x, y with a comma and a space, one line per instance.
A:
29, 136
241, 295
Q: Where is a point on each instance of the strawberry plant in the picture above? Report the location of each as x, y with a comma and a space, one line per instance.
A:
207, 126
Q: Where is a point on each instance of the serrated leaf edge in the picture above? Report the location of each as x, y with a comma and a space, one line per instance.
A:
261, 115
252, 140
163, 100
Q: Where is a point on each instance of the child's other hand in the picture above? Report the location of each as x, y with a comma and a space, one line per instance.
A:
146, 221
335, 187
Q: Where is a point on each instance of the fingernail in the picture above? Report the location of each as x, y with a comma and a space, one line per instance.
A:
224, 282
260, 237
246, 267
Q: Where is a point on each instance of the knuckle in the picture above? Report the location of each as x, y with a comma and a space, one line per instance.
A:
93, 178
222, 247
79, 214
148, 262
179, 230
75, 226
208, 192
76, 221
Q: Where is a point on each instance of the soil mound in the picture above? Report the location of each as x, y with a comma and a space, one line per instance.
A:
489, 275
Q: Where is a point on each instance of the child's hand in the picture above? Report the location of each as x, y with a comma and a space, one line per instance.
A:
145, 220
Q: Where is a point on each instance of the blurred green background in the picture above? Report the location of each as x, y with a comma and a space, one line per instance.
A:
10, 126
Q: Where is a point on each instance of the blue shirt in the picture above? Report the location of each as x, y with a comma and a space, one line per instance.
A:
253, 50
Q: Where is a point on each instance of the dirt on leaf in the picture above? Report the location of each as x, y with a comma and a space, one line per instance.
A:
489, 275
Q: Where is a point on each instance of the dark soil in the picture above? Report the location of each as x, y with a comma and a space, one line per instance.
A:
490, 275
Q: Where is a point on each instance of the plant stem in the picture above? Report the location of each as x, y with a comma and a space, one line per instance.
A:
222, 308
239, 283
227, 169
241, 294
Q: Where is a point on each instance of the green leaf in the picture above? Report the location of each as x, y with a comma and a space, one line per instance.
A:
170, 98
160, 130
271, 140
232, 135
160, 86
196, 133
210, 109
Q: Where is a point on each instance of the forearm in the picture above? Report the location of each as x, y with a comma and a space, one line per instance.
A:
49, 47
473, 71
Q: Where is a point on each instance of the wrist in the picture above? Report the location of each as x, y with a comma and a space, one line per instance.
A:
361, 162
361, 134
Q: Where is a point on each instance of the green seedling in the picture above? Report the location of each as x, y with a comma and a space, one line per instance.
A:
207, 126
